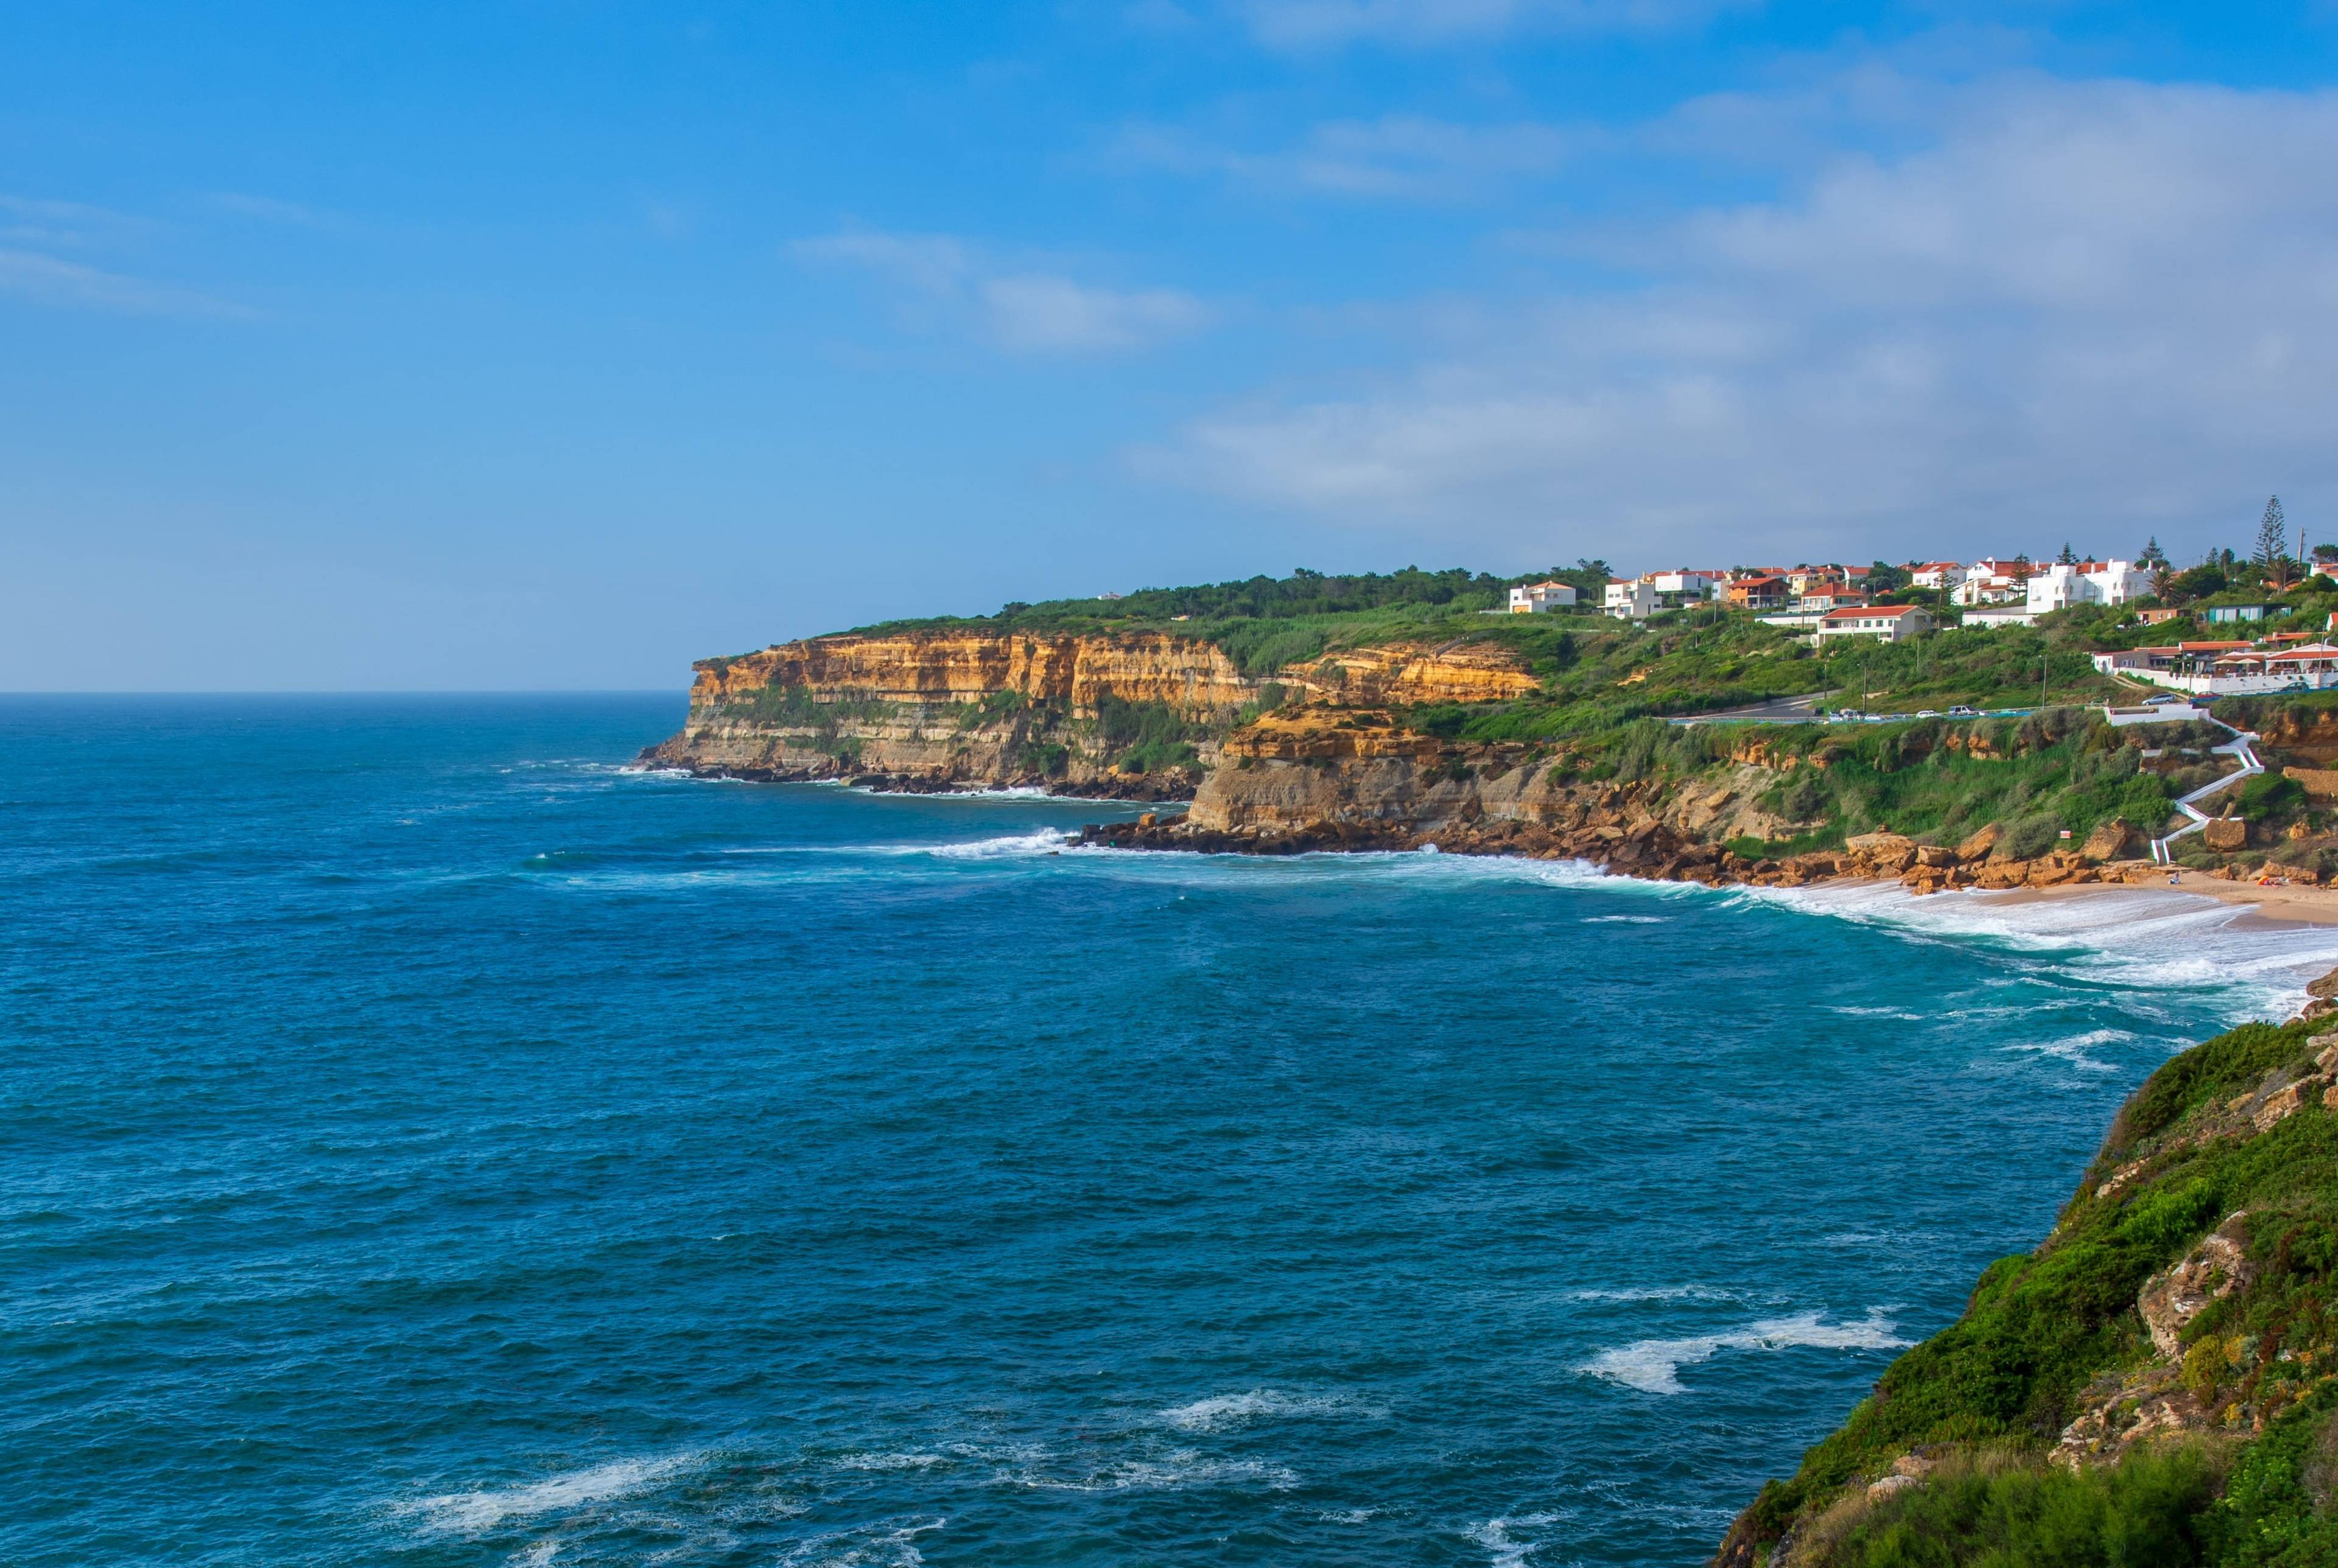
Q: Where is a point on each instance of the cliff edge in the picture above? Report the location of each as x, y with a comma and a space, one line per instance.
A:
2157, 1383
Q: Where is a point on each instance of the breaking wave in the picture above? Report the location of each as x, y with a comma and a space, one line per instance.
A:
468, 1513
1653, 1366
1225, 1410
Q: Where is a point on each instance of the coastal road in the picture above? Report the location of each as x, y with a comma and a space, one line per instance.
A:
1777, 710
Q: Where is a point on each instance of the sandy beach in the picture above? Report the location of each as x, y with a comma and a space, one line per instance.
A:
2287, 904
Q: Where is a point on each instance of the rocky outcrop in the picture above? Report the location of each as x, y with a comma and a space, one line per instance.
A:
1071, 670
1325, 778
937, 710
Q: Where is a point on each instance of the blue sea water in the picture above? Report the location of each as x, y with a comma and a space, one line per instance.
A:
429, 1143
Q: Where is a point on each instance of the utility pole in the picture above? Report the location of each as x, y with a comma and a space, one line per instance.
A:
2041, 680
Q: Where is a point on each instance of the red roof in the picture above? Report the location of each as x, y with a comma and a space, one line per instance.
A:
1858, 609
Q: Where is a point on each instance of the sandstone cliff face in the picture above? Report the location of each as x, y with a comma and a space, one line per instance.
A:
943, 710
1069, 671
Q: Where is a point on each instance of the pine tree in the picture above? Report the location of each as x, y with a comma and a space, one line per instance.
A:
2273, 540
2066, 557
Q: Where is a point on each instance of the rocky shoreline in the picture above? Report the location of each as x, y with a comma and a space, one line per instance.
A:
1619, 840
1144, 788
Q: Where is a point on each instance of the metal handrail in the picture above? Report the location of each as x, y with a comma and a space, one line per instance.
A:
2237, 746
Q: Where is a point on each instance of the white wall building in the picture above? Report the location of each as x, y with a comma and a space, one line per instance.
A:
1686, 584
1892, 622
1938, 574
1541, 598
2058, 586
1630, 601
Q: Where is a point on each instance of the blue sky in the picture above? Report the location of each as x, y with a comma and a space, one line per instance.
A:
554, 345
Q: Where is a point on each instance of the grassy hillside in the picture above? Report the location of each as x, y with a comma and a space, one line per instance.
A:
1595, 671
2244, 1470
2033, 777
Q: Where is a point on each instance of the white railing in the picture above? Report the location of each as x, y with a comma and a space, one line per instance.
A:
2238, 747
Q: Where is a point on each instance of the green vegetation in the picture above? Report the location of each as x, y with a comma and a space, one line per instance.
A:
1994, 1508
1992, 1393
1147, 737
2037, 775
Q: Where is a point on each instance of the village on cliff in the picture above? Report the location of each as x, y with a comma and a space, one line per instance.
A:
1833, 600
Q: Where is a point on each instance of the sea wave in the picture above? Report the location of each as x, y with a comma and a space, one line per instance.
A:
1176, 1470
1495, 1536
468, 1513
1653, 1366
1008, 845
1225, 1410
2134, 938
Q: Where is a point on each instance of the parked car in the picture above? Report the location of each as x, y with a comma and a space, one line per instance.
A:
1962, 712
1928, 712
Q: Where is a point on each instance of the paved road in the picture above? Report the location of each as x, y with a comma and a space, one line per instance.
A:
1777, 710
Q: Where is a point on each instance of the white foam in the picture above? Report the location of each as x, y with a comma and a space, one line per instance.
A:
1652, 1366
874, 1547
1654, 1293
1225, 1410
1013, 844
1494, 1535
1879, 1012
2139, 938
470, 1512
890, 1460
539, 1556
1624, 919
2074, 1049
1173, 1470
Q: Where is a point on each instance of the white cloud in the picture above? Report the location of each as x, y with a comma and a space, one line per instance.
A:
2099, 309
1040, 312
1022, 309
1405, 156
51, 280
1321, 24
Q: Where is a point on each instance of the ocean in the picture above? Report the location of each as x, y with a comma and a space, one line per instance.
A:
428, 1141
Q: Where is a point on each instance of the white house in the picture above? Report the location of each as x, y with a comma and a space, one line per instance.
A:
1630, 601
1540, 598
2058, 586
1685, 584
1937, 575
1892, 622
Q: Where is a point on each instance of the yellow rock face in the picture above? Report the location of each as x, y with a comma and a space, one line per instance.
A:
1184, 672
1372, 677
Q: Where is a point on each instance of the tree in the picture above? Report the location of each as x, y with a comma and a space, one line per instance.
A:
2021, 571
2163, 579
2197, 583
2152, 556
2273, 541
2325, 551
1597, 567
2066, 557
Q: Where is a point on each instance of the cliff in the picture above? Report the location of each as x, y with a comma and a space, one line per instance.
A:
2158, 1383
1142, 715
1718, 808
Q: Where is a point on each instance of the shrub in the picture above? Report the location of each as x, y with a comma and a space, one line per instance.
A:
2150, 1511
2027, 837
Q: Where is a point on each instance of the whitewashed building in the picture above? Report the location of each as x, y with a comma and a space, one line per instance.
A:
1541, 598
2058, 586
1630, 600
1892, 622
